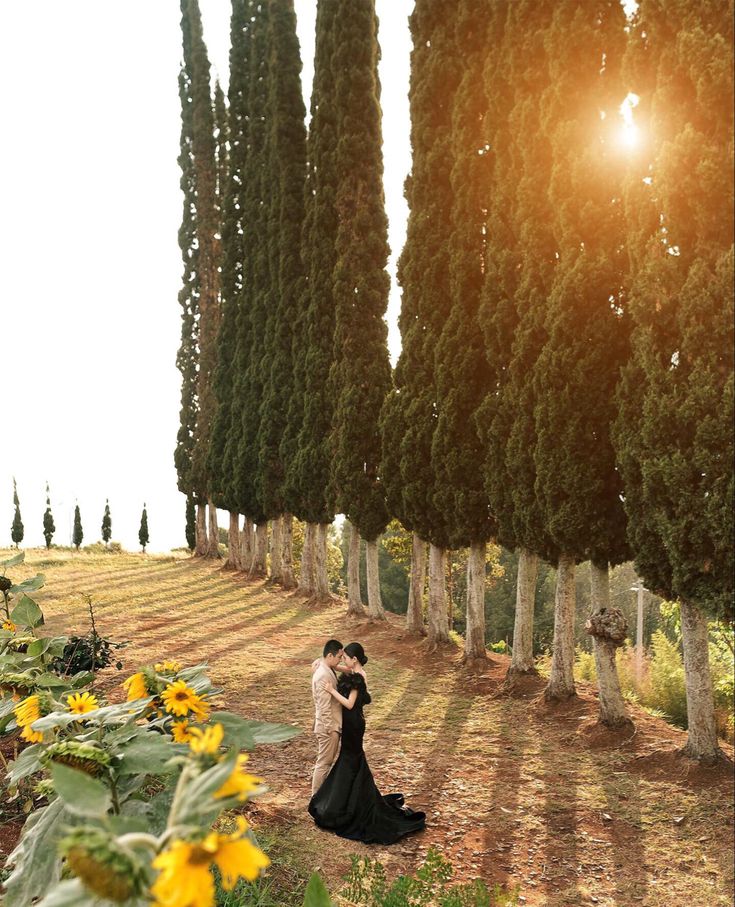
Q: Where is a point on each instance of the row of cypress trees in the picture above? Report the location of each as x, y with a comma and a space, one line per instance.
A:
565, 380
49, 527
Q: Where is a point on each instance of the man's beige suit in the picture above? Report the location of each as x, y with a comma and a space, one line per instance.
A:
327, 722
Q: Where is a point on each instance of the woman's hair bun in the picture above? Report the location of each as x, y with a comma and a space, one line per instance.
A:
355, 650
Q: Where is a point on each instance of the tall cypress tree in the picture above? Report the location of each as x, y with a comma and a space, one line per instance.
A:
423, 272
576, 374
286, 147
106, 524
16, 530
673, 433
49, 528
360, 376
312, 465
188, 355
190, 529
143, 536
256, 283
204, 156
462, 370
77, 533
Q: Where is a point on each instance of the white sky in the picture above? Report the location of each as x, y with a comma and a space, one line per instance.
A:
89, 259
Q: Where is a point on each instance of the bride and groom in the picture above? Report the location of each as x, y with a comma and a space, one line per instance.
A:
345, 798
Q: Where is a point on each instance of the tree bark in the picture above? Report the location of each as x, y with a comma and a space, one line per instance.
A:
522, 659
561, 681
474, 641
288, 580
415, 613
306, 579
247, 546
375, 602
438, 622
213, 540
234, 552
355, 606
702, 736
260, 557
321, 576
201, 531
608, 628
277, 550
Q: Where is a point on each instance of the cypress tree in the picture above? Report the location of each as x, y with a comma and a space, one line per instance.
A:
143, 531
106, 524
462, 370
190, 523
78, 532
256, 282
49, 527
674, 429
204, 155
576, 374
423, 272
287, 165
360, 375
16, 530
312, 465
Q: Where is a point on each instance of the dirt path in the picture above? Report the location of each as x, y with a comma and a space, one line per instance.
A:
516, 793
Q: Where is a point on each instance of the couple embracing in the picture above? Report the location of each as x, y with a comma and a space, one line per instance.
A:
345, 799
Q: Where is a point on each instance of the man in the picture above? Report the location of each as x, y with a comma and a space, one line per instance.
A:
327, 711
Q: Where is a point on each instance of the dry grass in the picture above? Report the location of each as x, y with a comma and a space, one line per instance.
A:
516, 793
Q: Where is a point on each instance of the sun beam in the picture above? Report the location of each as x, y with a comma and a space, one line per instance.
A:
629, 132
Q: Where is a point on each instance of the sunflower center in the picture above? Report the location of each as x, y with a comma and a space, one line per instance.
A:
181, 696
199, 855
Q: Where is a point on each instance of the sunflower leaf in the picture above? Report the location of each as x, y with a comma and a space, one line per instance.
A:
83, 795
316, 893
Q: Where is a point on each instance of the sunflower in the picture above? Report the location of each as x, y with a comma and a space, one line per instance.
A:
9, 626
167, 667
185, 879
207, 741
240, 784
26, 712
181, 731
81, 703
136, 687
179, 699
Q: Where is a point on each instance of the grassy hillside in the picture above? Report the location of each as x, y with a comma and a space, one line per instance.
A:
516, 793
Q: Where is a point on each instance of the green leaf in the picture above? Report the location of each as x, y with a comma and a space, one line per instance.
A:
26, 764
237, 732
35, 860
83, 795
26, 613
316, 894
39, 646
197, 800
149, 754
268, 732
29, 585
12, 561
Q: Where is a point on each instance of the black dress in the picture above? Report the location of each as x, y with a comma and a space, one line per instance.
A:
348, 802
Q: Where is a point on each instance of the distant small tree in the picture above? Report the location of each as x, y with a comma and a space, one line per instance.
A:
191, 523
78, 533
107, 524
16, 530
143, 531
48, 521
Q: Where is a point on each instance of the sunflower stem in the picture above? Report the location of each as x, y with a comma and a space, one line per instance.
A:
139, 839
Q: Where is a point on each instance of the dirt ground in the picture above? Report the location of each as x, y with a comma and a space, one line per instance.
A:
516, 792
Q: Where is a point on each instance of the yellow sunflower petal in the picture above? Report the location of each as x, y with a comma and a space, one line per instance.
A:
237, 859
239, 784
208, 740
136, 687
81, 703
184, 879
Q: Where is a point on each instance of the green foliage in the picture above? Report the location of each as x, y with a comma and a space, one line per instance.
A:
191, 518
77, 532
106, 524
48, 520
143, 536
16, 530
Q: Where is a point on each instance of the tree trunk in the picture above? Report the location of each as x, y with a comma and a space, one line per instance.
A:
561, 681
321, 576
609, 629
702, 736
234, 553
522, 659
415, 613
375, 603
474, 641
260, 557
288, 580
247, 546
355, 606
213, 541
277, 550
306, 579
201, 535
438, 623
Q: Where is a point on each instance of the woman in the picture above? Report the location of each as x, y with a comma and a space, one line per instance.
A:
348, 802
